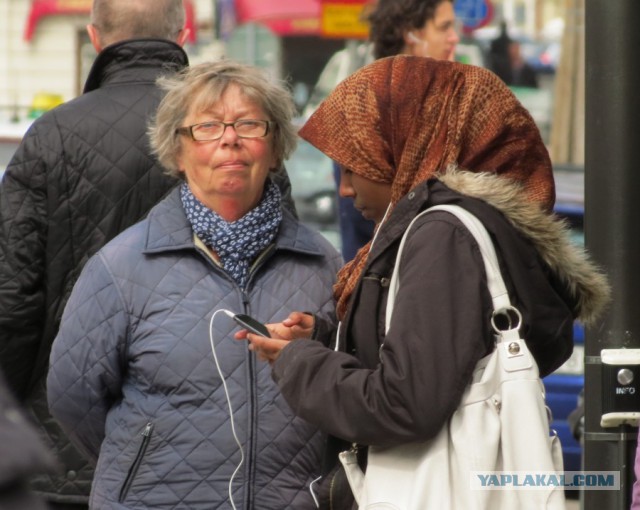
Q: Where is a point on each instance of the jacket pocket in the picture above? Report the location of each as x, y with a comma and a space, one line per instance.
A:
133, 470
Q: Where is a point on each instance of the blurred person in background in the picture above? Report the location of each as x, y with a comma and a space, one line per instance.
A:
145, 375
520, 74
507, 62
83, 173
422, 28
498, 60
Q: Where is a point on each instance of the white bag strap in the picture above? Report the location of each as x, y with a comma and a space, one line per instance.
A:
495, 282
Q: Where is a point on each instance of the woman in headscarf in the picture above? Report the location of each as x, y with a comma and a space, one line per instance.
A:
411, 133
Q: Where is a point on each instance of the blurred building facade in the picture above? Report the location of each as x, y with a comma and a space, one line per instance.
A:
45, 53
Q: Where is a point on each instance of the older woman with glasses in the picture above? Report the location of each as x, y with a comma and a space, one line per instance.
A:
145, 374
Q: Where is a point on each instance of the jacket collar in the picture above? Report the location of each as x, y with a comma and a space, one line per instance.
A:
487, 195
168, 229
398, 220
135, 60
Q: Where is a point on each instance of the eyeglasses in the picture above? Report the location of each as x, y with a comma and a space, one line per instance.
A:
213, 130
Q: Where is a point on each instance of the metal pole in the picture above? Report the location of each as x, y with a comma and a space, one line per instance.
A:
612, 182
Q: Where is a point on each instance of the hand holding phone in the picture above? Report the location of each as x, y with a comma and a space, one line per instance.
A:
251, 324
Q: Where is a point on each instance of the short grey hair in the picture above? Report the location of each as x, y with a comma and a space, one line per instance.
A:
118, 20
200, 87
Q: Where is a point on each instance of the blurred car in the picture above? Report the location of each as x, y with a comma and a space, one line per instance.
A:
313, 190
542, 55
563, 386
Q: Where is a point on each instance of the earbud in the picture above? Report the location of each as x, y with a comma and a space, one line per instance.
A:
413, 38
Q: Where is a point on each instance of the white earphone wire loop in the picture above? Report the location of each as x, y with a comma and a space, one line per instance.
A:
226, 393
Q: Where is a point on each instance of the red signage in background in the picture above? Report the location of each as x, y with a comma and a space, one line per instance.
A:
282, 17
345, 18
43, 8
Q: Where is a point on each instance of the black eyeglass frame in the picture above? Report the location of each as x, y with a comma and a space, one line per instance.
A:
188, 130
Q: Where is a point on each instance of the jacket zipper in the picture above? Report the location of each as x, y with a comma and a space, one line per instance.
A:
252, 406
133, 470
382, 280
266, 254
250, 456
331, 486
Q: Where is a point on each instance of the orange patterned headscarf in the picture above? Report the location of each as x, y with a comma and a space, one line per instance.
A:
401, 119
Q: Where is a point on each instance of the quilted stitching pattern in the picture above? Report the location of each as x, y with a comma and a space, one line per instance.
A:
149, 313
82, 174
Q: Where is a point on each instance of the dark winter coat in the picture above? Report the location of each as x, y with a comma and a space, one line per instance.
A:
406, 391
82, 174
134, 378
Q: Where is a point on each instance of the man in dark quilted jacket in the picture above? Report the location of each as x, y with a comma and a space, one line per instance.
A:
82, 174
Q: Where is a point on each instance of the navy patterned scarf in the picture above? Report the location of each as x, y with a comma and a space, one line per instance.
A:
238, 243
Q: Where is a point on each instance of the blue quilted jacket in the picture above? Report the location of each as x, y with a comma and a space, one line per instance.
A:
134, 380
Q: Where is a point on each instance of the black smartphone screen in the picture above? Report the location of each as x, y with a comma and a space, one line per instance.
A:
251, 324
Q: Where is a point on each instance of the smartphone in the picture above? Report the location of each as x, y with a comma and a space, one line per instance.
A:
251, 324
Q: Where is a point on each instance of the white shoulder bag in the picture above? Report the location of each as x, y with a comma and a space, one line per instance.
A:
496, 451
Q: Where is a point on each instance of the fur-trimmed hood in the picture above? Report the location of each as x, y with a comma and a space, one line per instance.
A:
549, 234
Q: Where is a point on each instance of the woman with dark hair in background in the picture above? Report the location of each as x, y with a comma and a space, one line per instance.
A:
422, 28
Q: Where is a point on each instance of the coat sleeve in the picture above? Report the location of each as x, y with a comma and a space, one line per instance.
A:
437, 335
87, 357
23, 213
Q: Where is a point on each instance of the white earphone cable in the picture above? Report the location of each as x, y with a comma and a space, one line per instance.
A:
226, 393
